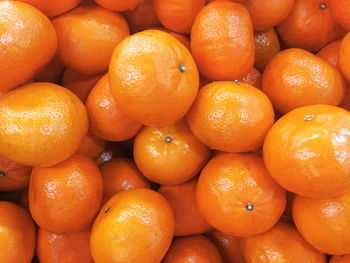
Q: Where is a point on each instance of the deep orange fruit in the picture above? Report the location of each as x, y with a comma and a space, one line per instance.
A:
54, 125
282, 243
155, 85
65, 197
17, 235
231, 116
237, 196
306, 151
133, 226
28, 43
194, 249
324, 223
182, 198
222, 41
169, 155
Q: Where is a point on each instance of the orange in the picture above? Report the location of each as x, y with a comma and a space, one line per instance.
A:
188, 219
13, 176
310, 25
41, 124
67, 248
78, 83
65, 197
52, 72
177, 15
17, 235
87, 36
53, 7
324, 223
340, 10
237, 196
106, 120
266, 14
153, 78
121, 174
194, 249
252, 78
119, 5
92, 146
267, 45
231, 116
169, 155
133, 226
330, 53
280, 244
306, 151
228, 246
28, 43
340, 259
296, 78
222, 41
344, 54
142, 17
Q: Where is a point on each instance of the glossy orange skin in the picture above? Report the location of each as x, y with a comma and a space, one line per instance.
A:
17, 236
324, 223
231, 117
138, 226
65, 197
52, 72
121, 174
38, 139
177, 15
92, 146
296, 78
194, 249
28, 43
87, 36
146, 80
222, 41
53, 7
266, 14
142, 17
78, 83
228, 246
344, 54
67, 248
188, 219
228, 183
310, 157
340, 10
119, 5
252, 78
106, 119
340, 259
282, 243
267, 45
13, 176
330, 53
308, 26
173, 162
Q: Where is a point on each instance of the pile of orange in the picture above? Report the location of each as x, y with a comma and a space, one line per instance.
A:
148, 131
